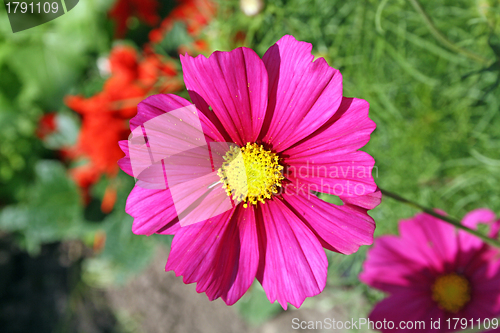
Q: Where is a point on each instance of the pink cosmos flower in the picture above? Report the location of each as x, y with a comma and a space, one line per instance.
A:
432, 272
297, 134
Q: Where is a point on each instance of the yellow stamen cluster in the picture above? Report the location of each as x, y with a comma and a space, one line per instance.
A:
451, 292
251, 174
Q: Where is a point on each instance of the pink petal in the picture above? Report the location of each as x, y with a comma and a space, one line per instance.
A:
406, 308
195, 201
124, 163
234, 84
339, 228
303, 94
193, 252
347, 175
187, 203
467, 242
431, 240
483, 273
393, 265
157, 105
495, 229
293, 264
477, 216
202, 105
188, 174
221, 254
328, 160
485, 276
367, 202
483, 305
153, 211
346, 131
249, 256
485, 298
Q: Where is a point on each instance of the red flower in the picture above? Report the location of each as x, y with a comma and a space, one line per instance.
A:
105, 115
84, 176
123, 10
108, 200
123, 62
46, 125
157, 72
195, 14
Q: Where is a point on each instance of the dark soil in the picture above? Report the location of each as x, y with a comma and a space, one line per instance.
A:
35, 292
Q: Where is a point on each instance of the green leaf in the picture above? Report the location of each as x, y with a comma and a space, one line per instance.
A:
51, 211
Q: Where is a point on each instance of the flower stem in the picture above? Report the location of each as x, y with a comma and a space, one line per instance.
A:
445, 218
442, 38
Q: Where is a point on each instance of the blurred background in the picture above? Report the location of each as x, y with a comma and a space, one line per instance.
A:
430, 70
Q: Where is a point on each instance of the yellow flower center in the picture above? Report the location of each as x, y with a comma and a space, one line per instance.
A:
251, 174
451, 292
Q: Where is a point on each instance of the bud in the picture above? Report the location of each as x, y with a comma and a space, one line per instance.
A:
251, 7
104, 66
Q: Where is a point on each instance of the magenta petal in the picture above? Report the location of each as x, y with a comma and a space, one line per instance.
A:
202, 105
124, 163
194, 249
480, 311
157, 105
196, 202
303, 94
348, 130
221, 254
328, 160
153, 211
347, 175
409, 305
234, 84
485, 300
431, 240
294, 265
339, 228
484, 304
368, 201
393, 265
468, 242
477, 216
249, 256
487, 290
495, 229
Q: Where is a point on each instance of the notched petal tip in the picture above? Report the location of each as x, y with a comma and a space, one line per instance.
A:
303, 94
235, 85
